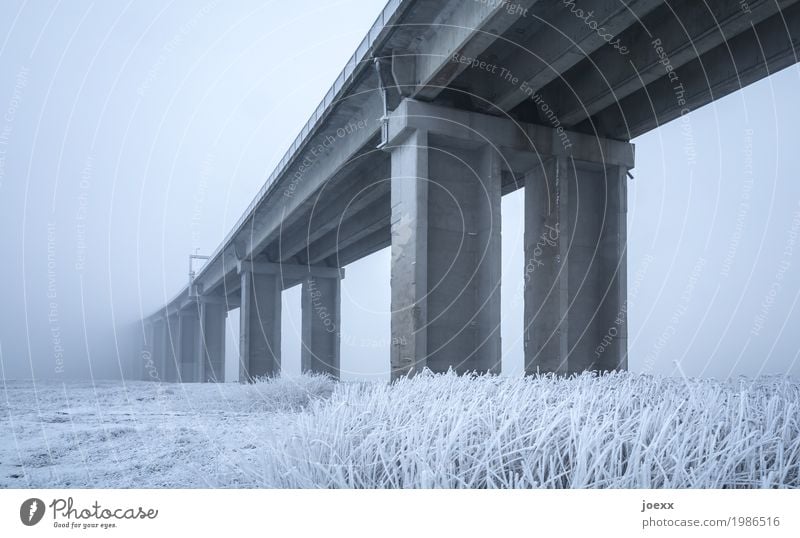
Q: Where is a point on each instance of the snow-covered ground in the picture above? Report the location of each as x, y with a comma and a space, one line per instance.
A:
621, 430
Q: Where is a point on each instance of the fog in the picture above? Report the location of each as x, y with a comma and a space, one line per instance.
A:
132, 135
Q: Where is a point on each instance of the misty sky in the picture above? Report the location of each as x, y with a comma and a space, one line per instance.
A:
133, 133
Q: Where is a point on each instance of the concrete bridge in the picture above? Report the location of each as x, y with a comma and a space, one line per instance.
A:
446, 106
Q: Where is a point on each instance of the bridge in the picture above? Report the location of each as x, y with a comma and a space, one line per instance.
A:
445, 106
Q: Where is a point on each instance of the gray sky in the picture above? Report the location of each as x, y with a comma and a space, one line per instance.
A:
132, 134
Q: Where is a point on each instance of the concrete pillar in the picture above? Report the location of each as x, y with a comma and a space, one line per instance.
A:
153, 369
161, 352
575, 272
321, 324
189, 327
260, 325
211, 341
445, 254
172, 362
146, 363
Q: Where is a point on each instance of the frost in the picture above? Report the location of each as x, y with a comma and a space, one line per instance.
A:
443, 431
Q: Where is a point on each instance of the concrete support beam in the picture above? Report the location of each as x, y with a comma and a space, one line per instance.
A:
303, 185
290, 274
321, 325
575, 272
520, 145
445, 273
190, 367
369, 245
351, 232
325, 219
260, 325
211, 341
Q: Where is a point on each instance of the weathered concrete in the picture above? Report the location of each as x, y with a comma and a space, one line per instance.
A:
321, 325
445, 255
260, 325
575, 268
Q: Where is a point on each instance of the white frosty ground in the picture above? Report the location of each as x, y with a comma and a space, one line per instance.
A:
620, 430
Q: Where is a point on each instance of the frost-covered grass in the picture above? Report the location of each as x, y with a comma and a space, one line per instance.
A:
620, 430
612, 431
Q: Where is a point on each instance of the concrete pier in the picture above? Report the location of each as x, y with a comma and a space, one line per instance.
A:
190, 369
172, 366
159, 345
449, 168
211, 340
260, 322
445, 273
146, 363
575, 269
321, 324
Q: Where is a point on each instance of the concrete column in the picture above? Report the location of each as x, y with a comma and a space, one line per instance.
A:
575, 269
321, 325
260, 325
445, 254
172, 364
211, 341
160, 349
146, 364
189, 327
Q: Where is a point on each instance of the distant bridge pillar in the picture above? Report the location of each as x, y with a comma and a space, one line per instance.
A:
145, 362
260, 322
172, 362
575, 273
321, 322
211, 340
160, 351
190, 367
445, 274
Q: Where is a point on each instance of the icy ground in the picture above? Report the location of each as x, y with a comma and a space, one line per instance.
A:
621, 430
